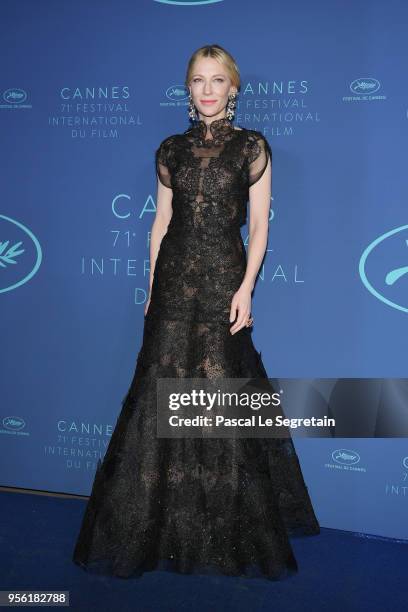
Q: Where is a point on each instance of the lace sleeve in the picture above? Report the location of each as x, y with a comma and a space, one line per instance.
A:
163, 163
259, 153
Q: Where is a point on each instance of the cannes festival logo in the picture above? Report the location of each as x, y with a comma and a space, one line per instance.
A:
13, 423
345, 457
188, 2
365, 85
387, 247
177, 93
20, 254
15, 95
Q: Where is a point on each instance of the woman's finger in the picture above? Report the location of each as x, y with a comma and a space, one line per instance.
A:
239, 324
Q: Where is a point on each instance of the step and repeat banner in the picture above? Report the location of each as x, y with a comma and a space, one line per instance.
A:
88, 92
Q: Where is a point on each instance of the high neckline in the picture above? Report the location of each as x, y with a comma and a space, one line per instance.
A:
219, 129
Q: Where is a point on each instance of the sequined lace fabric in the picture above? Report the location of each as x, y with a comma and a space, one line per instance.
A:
191, 505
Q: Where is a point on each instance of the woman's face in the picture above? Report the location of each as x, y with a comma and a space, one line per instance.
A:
210, 86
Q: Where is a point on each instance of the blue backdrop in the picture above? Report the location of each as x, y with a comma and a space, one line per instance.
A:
88, 91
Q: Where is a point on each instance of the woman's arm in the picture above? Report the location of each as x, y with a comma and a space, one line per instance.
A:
164, 212
259, 202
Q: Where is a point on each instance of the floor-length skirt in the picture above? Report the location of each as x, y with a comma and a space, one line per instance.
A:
192, 505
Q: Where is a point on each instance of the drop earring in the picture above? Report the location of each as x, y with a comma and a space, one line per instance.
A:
231, 106
191, 108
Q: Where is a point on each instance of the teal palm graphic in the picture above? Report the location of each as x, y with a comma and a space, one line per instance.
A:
7, 255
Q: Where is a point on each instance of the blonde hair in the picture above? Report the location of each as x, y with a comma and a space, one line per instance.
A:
217, 52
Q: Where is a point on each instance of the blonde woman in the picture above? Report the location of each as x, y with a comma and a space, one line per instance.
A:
191, 505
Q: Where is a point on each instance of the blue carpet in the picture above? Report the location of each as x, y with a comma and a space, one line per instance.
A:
338, 571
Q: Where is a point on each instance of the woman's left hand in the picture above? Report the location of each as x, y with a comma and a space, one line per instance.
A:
241, 305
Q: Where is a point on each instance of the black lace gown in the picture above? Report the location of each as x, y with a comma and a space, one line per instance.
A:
215, 506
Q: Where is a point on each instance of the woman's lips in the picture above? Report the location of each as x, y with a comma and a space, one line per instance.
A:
208, 101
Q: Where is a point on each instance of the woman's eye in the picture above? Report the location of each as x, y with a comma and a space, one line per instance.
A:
217, 79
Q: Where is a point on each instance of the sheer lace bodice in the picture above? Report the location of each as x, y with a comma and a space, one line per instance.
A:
239, 158
202, 259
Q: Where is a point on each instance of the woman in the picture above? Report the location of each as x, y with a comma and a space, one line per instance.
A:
223, 506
